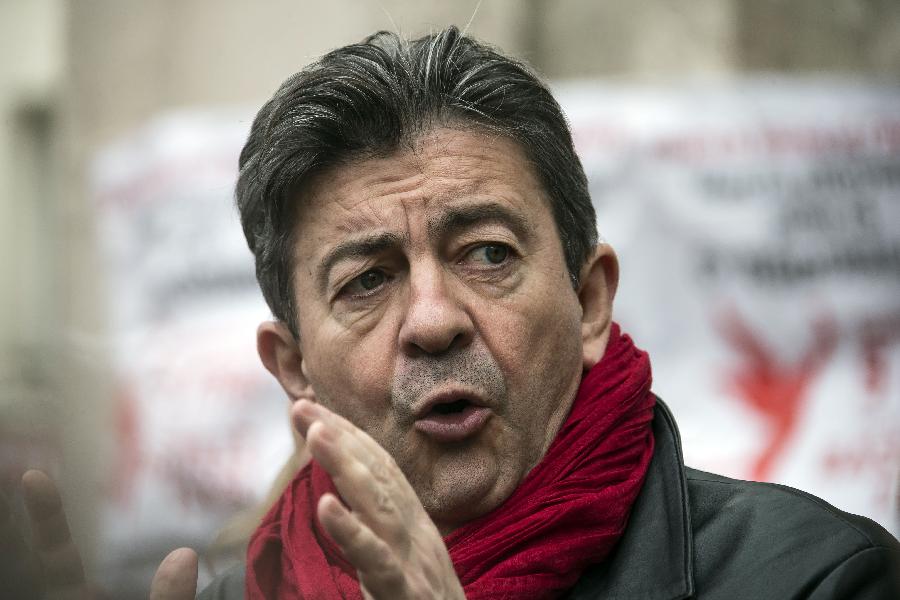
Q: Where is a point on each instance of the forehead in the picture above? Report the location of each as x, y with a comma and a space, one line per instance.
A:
443, 169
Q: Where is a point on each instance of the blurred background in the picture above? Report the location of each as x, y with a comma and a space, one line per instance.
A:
744, 158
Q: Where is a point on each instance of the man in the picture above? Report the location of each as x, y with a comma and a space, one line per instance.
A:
479, 426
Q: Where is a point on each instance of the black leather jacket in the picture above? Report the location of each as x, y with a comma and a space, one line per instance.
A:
696, 535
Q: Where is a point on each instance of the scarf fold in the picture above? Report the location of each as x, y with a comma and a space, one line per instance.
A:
565, 515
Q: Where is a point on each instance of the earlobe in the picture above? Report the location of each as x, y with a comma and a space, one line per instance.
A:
280, 354
599, 278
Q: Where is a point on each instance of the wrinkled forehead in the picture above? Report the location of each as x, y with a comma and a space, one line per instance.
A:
443, 172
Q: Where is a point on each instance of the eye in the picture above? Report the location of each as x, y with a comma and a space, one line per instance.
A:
371, 280
493, 254
366, 283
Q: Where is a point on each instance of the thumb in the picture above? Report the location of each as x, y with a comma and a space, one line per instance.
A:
176, 577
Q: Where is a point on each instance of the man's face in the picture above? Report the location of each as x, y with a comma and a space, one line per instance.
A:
436, 313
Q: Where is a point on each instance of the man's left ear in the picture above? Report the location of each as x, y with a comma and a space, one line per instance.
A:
596, 290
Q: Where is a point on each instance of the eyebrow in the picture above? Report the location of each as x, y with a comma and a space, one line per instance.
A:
461, 217
360, 247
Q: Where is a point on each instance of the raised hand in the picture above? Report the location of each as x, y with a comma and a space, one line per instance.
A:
52, 569
387, 535
20, 575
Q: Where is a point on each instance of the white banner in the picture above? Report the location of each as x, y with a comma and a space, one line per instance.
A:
758, 229
201, 427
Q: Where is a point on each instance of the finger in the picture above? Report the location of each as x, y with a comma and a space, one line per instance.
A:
12, 546
369, 489
378, 495
338, 443
336, 450
53, 543
352, 441
364, 473
305, 413
376, 563
19, 573
45, 509
176, 577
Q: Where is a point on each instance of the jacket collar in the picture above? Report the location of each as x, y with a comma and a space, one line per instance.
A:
654, 558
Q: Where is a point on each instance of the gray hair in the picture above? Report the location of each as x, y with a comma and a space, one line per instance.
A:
369, 99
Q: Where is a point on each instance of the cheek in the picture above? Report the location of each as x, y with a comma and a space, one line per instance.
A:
352, 375
539, 339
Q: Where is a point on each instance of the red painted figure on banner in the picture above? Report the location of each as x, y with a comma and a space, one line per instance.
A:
774, 388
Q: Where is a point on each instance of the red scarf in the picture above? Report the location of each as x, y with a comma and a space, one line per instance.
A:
567, 514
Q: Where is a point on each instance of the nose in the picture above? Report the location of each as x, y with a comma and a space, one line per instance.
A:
435, 319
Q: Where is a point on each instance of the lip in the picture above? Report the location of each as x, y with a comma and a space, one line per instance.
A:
452, 427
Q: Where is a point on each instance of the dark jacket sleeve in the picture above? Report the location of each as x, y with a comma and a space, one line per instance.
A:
869, 574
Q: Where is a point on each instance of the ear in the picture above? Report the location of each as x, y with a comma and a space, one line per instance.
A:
280, 354
599, 278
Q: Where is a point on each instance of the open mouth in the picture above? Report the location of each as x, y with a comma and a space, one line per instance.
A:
449, 408
453, 421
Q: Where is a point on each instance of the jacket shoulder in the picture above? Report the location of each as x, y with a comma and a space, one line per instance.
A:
776, 541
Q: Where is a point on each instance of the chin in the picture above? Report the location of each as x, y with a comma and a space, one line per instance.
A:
463, 492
